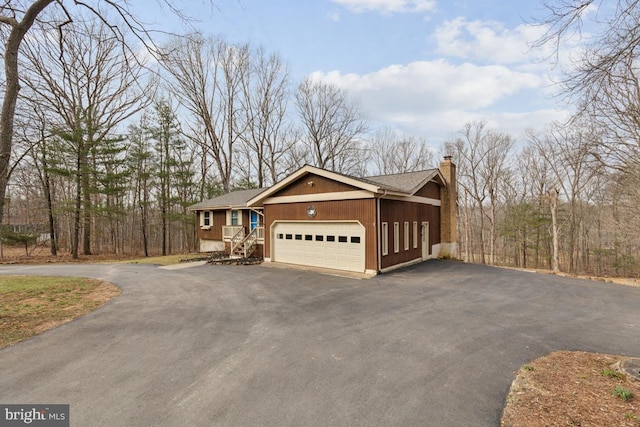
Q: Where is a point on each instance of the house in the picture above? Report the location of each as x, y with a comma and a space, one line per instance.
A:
325, 219
227, 224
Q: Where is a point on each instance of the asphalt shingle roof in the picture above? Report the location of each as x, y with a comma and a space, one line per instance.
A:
407, 183
403, 182
233, 199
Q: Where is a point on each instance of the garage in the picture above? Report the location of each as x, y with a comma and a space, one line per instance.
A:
334, 245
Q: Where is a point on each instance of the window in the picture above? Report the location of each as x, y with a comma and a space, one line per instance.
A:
342, 239
396, 237
385, 238
308, 237
406, 235
234, 218
415, 234
355, 239
289, 236
280, 236
298, 236
319, 238
331, 238
206, 219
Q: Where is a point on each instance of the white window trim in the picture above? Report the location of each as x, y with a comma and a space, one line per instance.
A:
396, 237
385, 238
415, 234
202, 218
229, 217
406, 235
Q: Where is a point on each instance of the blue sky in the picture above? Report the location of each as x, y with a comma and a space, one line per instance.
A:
424, 67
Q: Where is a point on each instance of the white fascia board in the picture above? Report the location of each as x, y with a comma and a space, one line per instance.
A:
307, 169
320, 197
416, 199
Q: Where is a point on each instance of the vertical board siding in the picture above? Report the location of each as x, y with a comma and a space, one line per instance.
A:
362, 210
320, 185
430, 189
218, 219
398, 211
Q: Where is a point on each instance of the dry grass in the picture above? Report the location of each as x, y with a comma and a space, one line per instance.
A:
164, 260
42, 255
572, 389
30, 305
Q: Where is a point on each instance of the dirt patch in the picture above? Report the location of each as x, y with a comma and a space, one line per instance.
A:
569, 388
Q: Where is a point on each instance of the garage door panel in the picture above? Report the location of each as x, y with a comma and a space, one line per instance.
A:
335, 245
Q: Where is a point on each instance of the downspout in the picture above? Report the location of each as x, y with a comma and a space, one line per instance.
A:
379, 231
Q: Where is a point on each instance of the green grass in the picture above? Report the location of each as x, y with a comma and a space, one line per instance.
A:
610, 373
30, 305
622, 393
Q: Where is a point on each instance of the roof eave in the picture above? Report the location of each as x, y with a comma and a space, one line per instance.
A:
428, 178
307, 169
217, 208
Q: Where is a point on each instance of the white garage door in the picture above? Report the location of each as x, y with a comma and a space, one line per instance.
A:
335, 245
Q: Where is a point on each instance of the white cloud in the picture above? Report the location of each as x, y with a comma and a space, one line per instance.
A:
434, 85
435, 98
334, 15
388, 6
486, 41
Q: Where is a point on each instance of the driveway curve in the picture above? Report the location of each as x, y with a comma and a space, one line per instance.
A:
436, 344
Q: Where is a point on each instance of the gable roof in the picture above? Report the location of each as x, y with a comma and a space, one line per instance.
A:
408, 183
234, 199
403, 184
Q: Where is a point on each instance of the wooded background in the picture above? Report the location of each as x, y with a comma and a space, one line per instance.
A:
112, 145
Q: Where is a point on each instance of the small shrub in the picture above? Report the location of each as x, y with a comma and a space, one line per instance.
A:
610, 373
622, 393
528, 368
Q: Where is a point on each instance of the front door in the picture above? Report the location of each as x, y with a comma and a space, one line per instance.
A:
254, 220
425, 240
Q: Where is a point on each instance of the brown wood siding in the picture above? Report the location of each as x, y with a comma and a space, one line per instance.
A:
320, 185
398, 211
363, 210
430, 189
218, 219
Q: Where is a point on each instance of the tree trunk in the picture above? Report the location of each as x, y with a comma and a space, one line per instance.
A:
11, 89
553, 204
52, 224
76, 220
86, 212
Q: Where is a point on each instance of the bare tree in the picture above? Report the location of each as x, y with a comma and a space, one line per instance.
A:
394, 153
265, 95
603, 79
332, 125
483, 164
18, 17
569, 153
87, 89
206, 78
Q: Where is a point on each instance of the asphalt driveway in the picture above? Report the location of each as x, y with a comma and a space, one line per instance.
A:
432, 345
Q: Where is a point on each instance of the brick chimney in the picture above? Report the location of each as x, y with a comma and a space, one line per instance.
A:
449, 210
